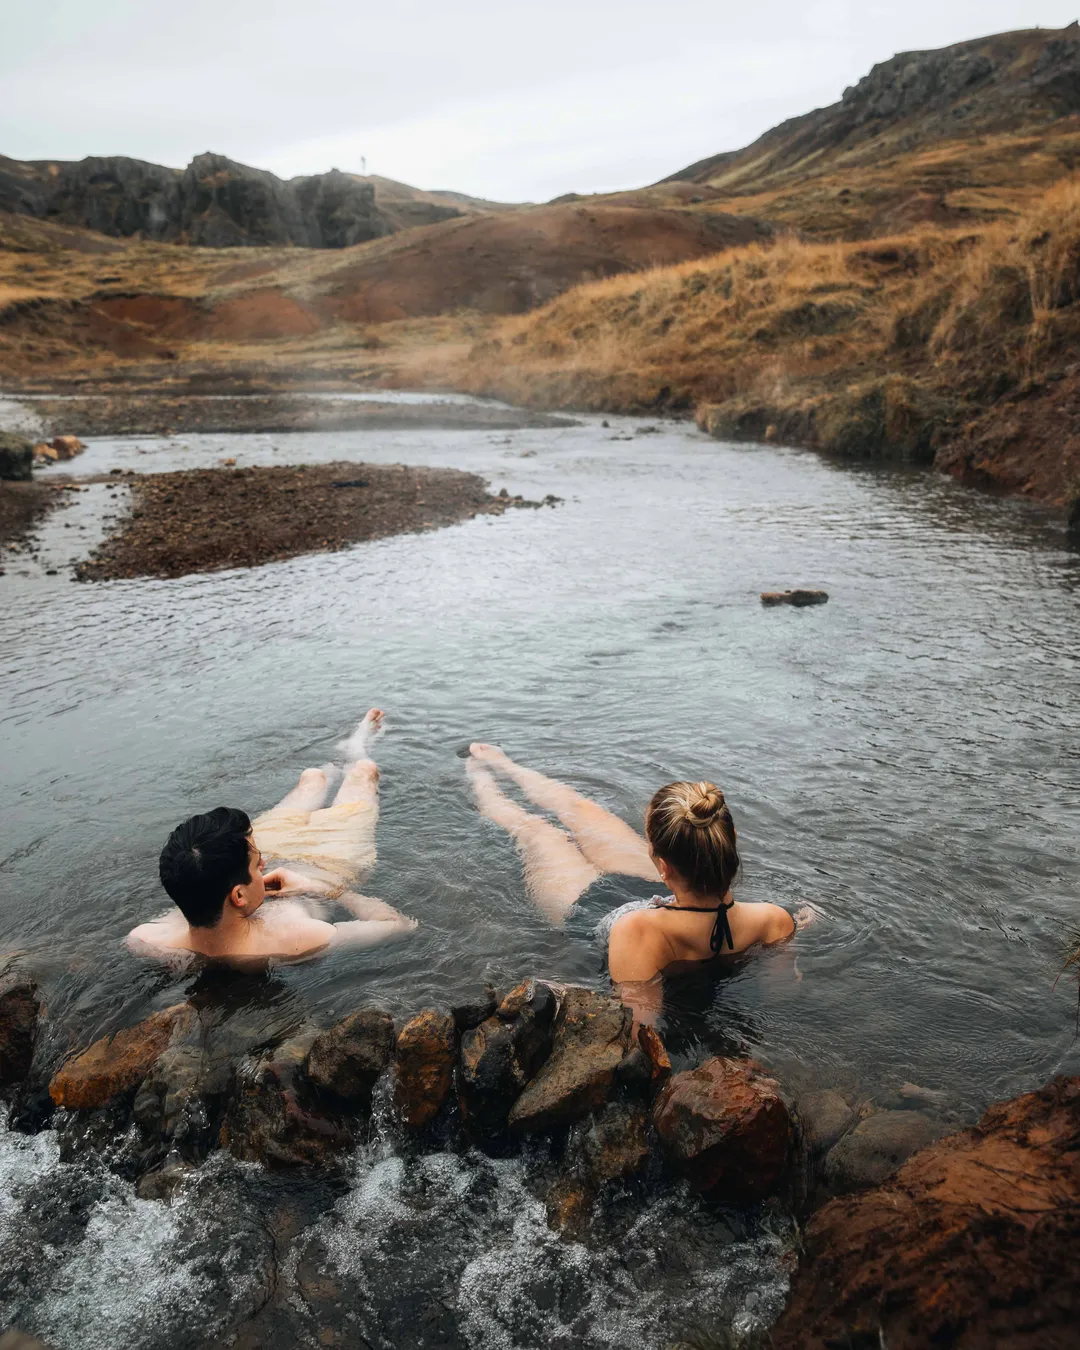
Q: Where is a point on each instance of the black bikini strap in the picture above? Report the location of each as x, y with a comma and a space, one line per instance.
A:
721, 932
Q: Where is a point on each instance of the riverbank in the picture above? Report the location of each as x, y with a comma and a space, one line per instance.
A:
928, 347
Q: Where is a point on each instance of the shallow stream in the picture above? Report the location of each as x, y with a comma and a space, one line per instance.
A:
903, 759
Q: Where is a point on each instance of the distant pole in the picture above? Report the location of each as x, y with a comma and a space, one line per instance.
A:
363, 165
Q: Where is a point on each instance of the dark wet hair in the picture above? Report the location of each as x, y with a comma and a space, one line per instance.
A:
203, 859
690, 827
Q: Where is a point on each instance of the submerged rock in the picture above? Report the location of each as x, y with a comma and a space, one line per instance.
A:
117, 1064
346, 1061
825, 1116
725, 1126
592, 1035
179, 1105
426, 1050
974, 1242
876, 1147
20, 1009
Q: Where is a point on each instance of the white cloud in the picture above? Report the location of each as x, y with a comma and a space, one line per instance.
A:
504, 100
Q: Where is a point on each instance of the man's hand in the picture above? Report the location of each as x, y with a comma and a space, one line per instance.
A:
283, 882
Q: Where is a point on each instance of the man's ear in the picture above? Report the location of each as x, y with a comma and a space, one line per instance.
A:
236, 897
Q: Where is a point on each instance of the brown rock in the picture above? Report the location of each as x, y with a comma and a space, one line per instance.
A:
974, 1242
592, 1034
426, 1050
19, 1012
119, 1063
725, 1126
43, 451
825, 1117
799, 598
659, 1060
346, 1061
66, 447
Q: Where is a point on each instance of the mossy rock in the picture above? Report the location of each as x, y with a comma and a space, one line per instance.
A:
16, 457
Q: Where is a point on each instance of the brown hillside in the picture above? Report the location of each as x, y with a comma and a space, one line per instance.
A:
62, 302
959, 350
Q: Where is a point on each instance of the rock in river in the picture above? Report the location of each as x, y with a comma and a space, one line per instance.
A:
876, 1147
346, 1061
592, 1034
119, 1063
499, 1056
798, 598
725, 1126
272, 1121
19, 1012
426, 1049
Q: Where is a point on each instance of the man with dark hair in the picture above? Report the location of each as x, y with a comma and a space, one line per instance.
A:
212, 868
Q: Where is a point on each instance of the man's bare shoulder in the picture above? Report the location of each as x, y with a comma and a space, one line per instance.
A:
160, 937
288, 932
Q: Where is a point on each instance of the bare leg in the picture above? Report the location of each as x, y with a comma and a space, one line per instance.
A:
556, 871
360, 784
608, 843
308, 795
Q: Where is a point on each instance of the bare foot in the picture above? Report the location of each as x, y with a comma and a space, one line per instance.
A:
489, 754
368, 729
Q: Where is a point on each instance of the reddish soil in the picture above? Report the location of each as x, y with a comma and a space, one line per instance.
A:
975, 1242
260, 315
200, 520
506, 264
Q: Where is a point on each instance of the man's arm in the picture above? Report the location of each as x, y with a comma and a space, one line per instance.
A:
375, 921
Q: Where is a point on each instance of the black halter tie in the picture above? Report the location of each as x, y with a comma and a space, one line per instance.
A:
721, 932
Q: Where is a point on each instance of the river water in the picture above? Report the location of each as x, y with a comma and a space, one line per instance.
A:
903, 759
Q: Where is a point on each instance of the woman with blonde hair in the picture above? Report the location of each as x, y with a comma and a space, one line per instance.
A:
600, 874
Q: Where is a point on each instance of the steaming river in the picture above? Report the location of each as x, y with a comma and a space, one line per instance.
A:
902, 758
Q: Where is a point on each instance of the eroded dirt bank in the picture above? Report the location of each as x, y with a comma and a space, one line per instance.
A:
975, 1242
199, 520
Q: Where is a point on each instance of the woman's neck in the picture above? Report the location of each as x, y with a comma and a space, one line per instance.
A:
688, 899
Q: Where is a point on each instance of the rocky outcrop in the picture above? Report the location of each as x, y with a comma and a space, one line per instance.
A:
426, 1050
214, 202
117, 1064
726, 1128
346, 1061
20, 1009
16, 457
592, 1036
974, 1242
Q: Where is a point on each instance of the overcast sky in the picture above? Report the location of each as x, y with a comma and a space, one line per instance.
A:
508, 100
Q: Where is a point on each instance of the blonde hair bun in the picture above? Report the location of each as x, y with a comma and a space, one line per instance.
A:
704, 803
